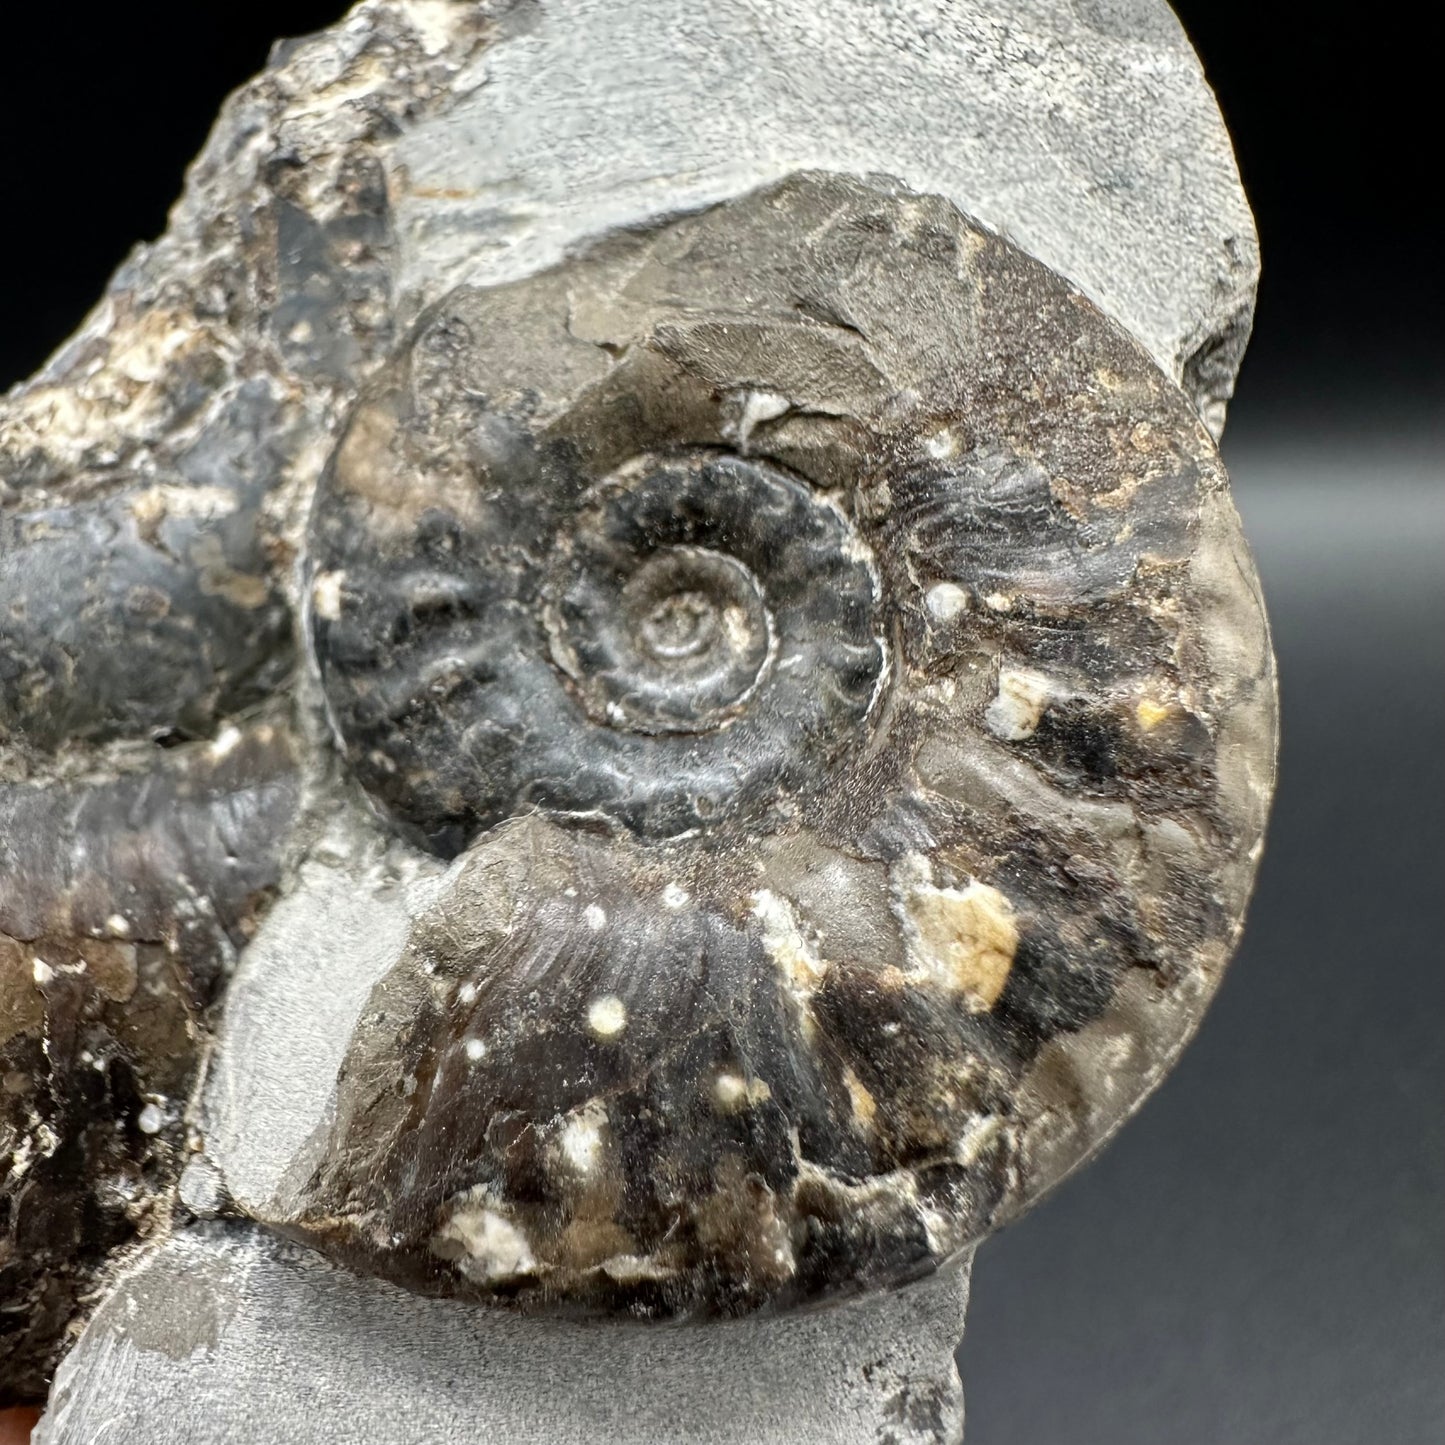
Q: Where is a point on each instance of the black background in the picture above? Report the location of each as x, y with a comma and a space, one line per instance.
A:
1260, 1258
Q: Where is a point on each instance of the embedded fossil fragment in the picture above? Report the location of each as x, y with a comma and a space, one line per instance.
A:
681, 774
123, 906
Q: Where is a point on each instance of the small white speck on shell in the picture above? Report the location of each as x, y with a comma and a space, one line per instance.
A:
326, 595
226, 742
946, 600
732, 1093
607, 1016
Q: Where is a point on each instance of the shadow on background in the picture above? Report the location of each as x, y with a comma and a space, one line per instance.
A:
1259, 1259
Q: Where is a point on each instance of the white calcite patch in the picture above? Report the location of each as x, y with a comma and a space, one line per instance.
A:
732, 1093
326, 595
860, 1100
635, 1268
794, 952
1016, 711
942, 445
482, 1242
759, 407
226, 742
976, 1138
582, 1136
201, 1188
962, 940
1149, 713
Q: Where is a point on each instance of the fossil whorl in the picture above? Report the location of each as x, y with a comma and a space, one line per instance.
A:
690, 635
147, 776
826, 645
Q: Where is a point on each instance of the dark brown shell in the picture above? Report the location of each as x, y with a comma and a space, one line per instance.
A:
826, 644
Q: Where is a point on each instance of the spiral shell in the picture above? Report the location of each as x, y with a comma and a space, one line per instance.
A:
825, 644
687, 636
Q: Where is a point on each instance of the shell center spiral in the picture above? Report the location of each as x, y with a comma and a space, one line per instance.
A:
677, 645
685, 639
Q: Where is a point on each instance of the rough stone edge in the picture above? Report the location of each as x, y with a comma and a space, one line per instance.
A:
207, 1341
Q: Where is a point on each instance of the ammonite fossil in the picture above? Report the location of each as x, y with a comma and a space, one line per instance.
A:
824, 643
706, 774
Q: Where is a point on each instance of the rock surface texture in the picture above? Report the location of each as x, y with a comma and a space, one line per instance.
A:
233, 1335
633, 699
